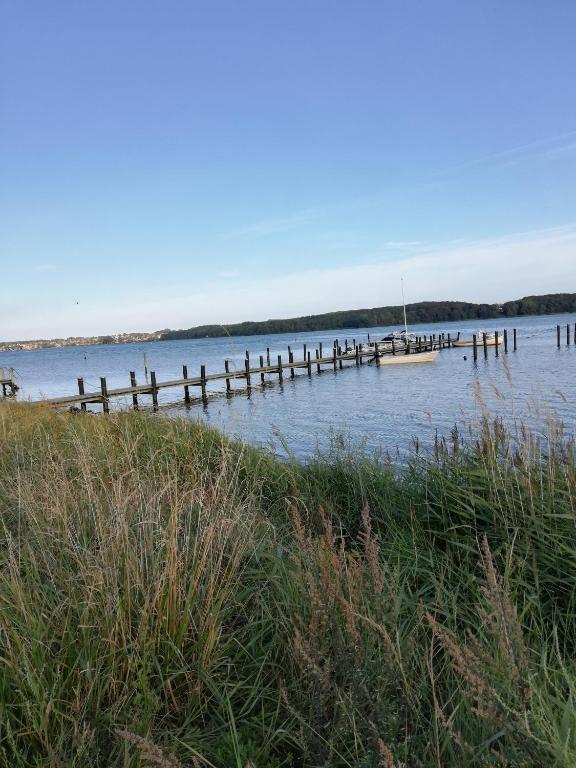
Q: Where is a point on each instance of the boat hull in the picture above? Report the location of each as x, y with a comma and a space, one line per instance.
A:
413, 357
479, 342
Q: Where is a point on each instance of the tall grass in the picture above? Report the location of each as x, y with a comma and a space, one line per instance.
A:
170, 597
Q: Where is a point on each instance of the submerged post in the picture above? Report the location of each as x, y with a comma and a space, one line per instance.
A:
134, 385
81, 392
104, 391
186, 388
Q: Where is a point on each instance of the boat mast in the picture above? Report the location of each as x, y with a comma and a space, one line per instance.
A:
404, 305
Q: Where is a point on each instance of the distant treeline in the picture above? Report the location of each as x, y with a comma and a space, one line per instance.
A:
422, 312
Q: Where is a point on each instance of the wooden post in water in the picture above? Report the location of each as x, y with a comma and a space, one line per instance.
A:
247, 372
320, 348
318, 361
505, 341
357, 353
154, 390
203, 381
186, 387
558, 336
485, 344
81, 392
280, 373
309, 365
262, 372
514, 335
340, 356
393, 346
449, 341
377, 350
146, 367
475, 347
334, 353
227, 369
304, 358
268, 356
291, 360
133, 384
568, 334
104, 390
496, 339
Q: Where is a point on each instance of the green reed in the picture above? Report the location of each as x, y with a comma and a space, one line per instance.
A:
171, 597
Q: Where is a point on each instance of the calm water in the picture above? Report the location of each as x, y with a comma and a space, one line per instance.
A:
384, 408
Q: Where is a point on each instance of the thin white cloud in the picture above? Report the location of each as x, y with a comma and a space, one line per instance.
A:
490, 270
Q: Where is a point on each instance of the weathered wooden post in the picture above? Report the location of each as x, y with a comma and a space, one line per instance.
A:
186, 387
104, 391
377, 350
154, 390
474, 346
320, 347
247, 373
81, 392
514, 334
484, 341
203, 380
261, 372
496, 339
227, 369
449, 341
268, 356
393, 346
568, 334
357, 353
304, 358
334, 354
280, 372
309, 365
505, 341
291, 360
340, 357
558, 336
133, 384
317, 361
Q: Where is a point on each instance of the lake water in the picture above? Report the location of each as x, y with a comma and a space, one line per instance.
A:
383, 408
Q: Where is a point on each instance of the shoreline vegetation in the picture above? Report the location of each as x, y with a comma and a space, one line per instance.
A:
171, 597
422, 312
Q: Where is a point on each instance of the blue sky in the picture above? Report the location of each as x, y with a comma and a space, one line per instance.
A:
165, 164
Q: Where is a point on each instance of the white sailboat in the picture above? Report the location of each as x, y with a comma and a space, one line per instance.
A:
406, 354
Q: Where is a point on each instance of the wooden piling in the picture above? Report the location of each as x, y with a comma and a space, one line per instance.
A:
505, 341
474, 346
104, 391
81, 392
496, 340
568, 334
186, 387
203, 380
154, 390
318, 361
133, 384
335, 352
309, 365
558, 336
280, 376
227, 370
247, 373
485, 343
514, 336
304, 358
340, 356
261, 372
320, 349
268, 356
291, 360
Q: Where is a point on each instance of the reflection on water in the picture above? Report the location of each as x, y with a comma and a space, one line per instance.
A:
383, 408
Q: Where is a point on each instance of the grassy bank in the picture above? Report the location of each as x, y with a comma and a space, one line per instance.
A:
169, 597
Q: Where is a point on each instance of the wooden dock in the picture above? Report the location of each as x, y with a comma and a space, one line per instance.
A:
356, 355
7, 383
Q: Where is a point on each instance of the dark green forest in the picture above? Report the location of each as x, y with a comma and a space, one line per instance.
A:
422, 312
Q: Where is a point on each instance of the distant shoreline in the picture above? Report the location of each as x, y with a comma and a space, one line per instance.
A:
421, 312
